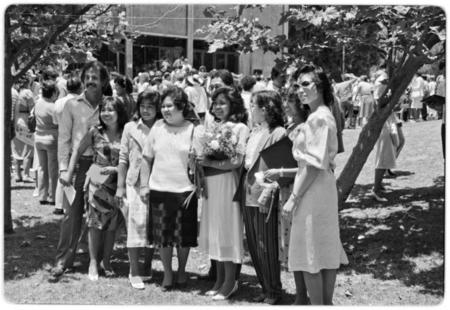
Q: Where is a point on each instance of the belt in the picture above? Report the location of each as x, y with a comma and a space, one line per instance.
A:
209, 171
86, 157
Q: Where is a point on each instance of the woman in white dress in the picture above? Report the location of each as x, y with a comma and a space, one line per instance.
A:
315, 250
386, 154
222, 228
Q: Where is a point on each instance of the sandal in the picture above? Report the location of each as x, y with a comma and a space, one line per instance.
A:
136, 282
378, 198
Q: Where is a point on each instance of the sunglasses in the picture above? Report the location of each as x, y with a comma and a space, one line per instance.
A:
302, 84
215, 86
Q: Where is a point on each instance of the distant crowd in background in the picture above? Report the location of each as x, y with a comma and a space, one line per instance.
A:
248, 155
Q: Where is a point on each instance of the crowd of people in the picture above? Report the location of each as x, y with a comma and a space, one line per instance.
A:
156, 153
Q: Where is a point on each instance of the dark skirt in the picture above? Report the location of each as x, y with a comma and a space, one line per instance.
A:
174, 224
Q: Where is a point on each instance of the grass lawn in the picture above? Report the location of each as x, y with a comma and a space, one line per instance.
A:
395, 249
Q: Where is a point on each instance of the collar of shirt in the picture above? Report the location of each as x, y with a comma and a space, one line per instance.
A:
82, 98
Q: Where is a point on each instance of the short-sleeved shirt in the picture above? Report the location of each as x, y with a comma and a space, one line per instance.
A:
316, 144
168, 146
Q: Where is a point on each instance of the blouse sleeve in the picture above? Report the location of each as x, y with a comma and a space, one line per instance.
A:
124, 142
242, 133
317, 134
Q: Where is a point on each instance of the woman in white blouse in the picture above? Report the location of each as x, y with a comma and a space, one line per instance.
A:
174, 216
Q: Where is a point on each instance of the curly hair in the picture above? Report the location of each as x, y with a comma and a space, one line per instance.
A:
271, 101
238, 113
119, 107
320, 78
179, 97
155, 100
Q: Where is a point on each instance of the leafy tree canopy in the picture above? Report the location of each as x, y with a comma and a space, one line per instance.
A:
318, 34
42, 34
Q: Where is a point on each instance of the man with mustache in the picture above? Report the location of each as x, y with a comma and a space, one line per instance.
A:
79, 114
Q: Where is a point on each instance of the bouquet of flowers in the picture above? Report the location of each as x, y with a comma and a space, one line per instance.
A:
219, 142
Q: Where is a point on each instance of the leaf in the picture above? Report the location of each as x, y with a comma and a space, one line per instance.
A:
216, 45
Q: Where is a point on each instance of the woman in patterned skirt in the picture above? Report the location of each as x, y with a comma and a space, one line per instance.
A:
173, 202
104, 216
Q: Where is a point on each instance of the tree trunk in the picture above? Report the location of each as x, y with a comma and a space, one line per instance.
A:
371, 131
7, 224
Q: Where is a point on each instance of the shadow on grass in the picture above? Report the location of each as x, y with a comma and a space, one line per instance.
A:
402, 239
32, 248
399, 174
19, 187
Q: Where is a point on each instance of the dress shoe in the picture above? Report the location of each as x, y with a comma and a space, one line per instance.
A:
211, 292
166, 288
224, 297
259, 298
56, 273
146, 278
136, 282
272, 300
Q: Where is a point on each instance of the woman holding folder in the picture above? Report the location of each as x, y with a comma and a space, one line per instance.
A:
261, 221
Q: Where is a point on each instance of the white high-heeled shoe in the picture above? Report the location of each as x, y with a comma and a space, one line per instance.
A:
211, 292
223, 297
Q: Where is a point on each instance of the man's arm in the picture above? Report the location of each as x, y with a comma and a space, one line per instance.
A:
65, 136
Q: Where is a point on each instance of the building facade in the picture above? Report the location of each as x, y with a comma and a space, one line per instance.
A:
170, 31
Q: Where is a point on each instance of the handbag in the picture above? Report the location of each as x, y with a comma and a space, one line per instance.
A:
191, 161
31, 121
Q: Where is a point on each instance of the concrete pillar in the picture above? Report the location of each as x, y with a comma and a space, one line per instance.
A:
129, 58
190, 34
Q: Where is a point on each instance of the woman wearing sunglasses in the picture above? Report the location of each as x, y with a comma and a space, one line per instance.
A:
315, 251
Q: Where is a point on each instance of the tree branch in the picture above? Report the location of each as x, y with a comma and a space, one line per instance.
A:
51, 39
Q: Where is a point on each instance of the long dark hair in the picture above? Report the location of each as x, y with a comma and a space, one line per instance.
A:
125, 83
155, 100
271, 101
119, 107
321, 80
301, 110
238, 113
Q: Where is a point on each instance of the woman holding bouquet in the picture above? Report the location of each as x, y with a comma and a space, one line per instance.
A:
173, 202
315, 250
221, 230
261, 222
